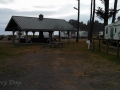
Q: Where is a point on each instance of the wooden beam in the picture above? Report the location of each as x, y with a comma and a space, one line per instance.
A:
68, 36
19, 35
50, 36
26, 36
33, 34
13, 36
59, 36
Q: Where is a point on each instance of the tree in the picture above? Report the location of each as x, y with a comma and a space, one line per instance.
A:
106, 13
115, 10
92, 15
86, 27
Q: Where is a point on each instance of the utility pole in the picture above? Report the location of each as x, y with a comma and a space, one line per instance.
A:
77, 38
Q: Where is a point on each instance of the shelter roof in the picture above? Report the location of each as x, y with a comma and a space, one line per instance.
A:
36, 24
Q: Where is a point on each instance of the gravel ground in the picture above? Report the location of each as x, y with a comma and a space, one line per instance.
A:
61, 71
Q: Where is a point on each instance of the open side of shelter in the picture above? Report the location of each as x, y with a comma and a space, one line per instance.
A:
41, 24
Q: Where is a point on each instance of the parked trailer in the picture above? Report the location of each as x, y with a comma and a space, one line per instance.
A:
112, 31
64, 34
82, 34
46, 34
21, 34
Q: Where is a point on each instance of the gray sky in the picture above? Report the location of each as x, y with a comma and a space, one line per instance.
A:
61, 9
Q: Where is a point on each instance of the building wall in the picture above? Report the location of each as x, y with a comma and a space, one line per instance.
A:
115, 34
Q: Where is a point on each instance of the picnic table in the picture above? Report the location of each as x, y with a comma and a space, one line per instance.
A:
56, 44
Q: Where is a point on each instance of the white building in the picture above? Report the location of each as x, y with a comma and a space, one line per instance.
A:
112, 31
46, 34
64, 34
21, 34
82, 34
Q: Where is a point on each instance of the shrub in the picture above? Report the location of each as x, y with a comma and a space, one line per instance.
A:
1, 37
9, 38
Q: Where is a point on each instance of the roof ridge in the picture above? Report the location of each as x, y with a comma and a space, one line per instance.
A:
38, 17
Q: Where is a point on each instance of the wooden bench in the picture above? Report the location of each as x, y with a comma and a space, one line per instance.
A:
55, 44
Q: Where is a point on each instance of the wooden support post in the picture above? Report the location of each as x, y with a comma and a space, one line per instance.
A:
13, 36
26, 36
93, 44
118, 49
99, 45
107, 46
59, 36
19, 34
68, 36
50, 37
39, 34
33, 34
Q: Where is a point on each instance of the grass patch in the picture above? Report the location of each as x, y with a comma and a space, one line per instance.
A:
110, 57
10, 50
112, 52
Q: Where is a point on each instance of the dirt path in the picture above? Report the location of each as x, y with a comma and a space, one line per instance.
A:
62, 71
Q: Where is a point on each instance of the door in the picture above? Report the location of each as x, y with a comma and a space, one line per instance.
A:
111, 33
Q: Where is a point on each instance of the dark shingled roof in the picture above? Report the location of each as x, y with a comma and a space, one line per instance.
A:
35, 24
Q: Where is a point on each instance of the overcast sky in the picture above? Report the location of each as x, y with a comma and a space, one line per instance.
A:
61, 9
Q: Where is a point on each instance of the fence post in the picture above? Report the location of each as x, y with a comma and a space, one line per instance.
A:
93, 44
99, 45
117, 48
107, 46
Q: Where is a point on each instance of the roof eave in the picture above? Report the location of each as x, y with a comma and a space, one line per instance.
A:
8, 23
17, 24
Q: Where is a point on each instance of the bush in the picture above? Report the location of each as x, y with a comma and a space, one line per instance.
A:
1, 37
9, 38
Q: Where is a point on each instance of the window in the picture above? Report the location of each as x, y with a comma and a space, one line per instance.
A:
111, 32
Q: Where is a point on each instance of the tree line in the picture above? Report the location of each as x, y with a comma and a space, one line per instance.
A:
86, 26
